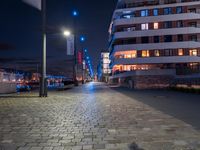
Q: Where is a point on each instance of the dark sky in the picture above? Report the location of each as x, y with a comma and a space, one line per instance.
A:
20, 31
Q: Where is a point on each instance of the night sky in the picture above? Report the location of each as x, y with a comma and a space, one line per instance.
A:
20, 32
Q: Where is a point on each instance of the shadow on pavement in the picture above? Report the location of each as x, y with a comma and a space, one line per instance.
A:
183, 106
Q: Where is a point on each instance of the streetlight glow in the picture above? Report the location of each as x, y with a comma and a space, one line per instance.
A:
66, 33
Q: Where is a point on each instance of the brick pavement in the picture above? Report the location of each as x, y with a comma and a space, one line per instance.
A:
90, 117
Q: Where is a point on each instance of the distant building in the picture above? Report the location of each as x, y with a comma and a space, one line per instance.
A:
103, 68
7, 82
155, 36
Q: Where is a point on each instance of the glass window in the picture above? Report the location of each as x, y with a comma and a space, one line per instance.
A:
157, 53
145, 39
180, 52
156, 39
144, 26
180, 37
193, 24
168, 52
192, 10
179, 10
193, 38
145, 53
155, 25
127, 16
155, 12
168, 24
167, 11
144, 13
193, 52
179, 24
168, 38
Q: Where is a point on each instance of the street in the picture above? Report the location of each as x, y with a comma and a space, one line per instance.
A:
184, 106
97, 117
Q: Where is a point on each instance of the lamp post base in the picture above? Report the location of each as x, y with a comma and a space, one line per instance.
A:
43, 88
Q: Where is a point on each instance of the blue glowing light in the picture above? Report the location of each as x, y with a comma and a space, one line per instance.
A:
75, 13
82, 38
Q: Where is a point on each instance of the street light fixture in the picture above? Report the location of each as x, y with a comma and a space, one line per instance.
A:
82, 39
67, 33
75, 13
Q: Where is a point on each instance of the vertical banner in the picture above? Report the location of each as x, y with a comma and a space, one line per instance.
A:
80, 57
34, 3
70, 45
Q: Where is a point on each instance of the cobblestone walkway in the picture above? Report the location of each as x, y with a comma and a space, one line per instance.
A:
90, 117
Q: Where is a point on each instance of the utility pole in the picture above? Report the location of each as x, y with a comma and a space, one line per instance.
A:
43, 80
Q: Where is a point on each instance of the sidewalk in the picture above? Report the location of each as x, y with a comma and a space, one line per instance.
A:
90, 117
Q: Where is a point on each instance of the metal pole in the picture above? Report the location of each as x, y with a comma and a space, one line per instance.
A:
75, 54
43, 85
82, 66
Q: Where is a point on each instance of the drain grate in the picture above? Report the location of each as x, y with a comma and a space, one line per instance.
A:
134, 146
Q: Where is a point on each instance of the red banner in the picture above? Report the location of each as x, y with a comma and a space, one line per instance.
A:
80, 57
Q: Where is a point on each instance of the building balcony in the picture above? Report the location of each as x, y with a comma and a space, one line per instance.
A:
161, 18
155, 46
156, 32
154, 4
155, 60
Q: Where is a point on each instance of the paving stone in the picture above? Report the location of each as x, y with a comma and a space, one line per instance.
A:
90, 117
48, 148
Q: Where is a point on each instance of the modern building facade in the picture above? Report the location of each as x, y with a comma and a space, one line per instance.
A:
155, 34
103, 69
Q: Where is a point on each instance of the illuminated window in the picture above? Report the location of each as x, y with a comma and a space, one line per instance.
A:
179, 9
134, 55
145, 26
155, 12
144, 13
157, 53
193, 52
155, 25
167, 11
145, 53
180, 52
127, 56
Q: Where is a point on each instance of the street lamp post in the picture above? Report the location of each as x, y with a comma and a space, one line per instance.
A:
43, 80
82, 39
75, 14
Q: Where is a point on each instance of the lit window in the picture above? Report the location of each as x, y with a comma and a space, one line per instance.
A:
145, 53
180, 52
193, 52
145, 26
179, 10
155, 25
167, 11
144, 13
155, 12
157, 53
127, 16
